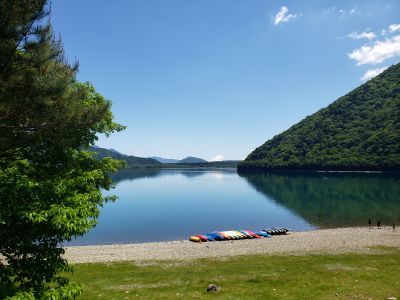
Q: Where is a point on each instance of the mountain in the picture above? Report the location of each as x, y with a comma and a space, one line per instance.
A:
359, 131
130, 159
186, 160
165, 160
113, 150
191, 160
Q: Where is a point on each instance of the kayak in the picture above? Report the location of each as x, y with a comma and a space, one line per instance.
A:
216, 236
247, 235
242, 236
252, 234
229, 233
210, 237
195, 239
234, 234
274, 231
263, 233
226, 237
237, 234
270, 231
202, 238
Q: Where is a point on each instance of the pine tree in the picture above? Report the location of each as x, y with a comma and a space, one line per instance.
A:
49, 186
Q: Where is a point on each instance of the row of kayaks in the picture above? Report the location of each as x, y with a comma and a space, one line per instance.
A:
237, 235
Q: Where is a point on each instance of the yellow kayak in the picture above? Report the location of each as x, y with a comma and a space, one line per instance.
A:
241, 235
233, 234
195, 239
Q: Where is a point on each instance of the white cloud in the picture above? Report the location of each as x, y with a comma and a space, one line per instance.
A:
371, 73
391, 29
354, 10
394, 28
378, 52
284, 16
363, 35
217, 157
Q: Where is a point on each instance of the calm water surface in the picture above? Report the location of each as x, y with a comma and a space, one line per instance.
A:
161, 205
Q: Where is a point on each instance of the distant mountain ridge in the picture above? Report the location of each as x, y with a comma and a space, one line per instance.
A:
359, 131
130, 159
134, 160
186, 160
165, 160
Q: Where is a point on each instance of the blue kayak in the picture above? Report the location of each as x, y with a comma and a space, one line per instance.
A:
216, 236
263, 233
210, 237
249, 236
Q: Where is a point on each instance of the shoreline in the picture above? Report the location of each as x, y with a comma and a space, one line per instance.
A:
320, 241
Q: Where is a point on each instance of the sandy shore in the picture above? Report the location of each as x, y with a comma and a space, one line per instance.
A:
334, 241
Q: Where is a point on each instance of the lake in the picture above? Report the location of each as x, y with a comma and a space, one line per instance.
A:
173, 204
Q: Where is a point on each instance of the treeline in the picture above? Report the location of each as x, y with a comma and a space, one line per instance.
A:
359, 131
130, 160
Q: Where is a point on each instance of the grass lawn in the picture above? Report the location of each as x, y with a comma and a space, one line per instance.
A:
351, 276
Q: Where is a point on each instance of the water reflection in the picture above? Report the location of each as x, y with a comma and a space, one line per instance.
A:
172, 204
333, 199
138, 173
166, 204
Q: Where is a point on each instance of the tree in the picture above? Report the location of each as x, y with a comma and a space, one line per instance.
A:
49, 185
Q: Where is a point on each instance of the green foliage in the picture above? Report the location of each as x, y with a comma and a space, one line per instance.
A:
359, 131
49, 186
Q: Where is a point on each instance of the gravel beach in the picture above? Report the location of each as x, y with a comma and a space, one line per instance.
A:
332, 241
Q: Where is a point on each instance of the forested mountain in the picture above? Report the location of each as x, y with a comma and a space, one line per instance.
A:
130, 159
359, 131
191, 160
186, 160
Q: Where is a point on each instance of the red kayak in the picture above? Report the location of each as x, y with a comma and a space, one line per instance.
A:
255, 235
226, 237
202, 238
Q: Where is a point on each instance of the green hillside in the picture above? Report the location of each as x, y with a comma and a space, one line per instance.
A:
359, 131
192, 160
130, 159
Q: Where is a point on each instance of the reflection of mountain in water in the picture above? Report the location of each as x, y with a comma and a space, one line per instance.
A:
137, 173
191, 173
328, 200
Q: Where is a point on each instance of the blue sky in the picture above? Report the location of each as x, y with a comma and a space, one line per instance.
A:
217, 79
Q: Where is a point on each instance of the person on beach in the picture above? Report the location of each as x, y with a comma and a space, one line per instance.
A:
369, 223
394, 227
379, 224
